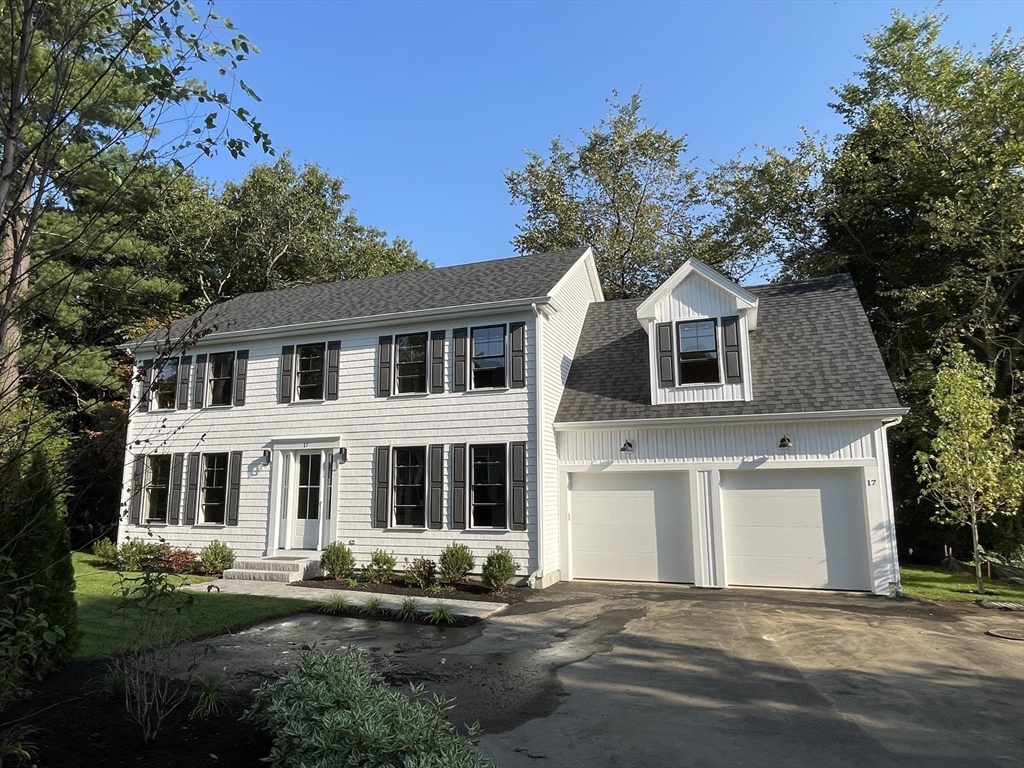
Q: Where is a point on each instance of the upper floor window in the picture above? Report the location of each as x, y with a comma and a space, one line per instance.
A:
489, 486
488, 357
411, 362
310, 372
411, 487
222, 373
698, 352
165, 388
158, 489
215, 487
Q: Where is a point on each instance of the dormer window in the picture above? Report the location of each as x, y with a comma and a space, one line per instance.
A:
698, 352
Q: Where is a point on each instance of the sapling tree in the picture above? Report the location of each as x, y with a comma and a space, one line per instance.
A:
972, 471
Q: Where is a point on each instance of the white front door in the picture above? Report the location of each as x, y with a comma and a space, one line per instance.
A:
307, 501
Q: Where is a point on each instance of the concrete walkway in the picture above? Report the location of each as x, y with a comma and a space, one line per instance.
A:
477, 609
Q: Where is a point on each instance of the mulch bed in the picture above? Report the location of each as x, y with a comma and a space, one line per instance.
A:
80, 726
466, 591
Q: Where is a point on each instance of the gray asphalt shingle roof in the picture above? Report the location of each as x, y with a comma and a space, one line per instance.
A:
813, 351
520, 277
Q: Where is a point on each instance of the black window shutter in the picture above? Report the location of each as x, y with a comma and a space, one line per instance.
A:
333, 368
458, 486
241, 374
147, 385
437, 362
517, 350
199, 393
518, 486
382, 456
384, 366
174, 497
731, 349
234, 486
666, 358
192, 489
284, 391
460, 358
435, 487
184, 379
138, 490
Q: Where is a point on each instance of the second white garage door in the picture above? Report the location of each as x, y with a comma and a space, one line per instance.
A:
796, 528
631, 526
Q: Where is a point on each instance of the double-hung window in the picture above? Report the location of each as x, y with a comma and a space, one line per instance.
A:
698, 352
411, 363
410, 487
488, 357
158, 489
222, 373
215, 487
165, 388
489, 486
309, 372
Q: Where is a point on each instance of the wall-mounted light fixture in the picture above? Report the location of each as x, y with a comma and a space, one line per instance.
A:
785, 444
627, 447
342, 455
266, 457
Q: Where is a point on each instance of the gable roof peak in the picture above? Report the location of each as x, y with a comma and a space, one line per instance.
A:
745, 299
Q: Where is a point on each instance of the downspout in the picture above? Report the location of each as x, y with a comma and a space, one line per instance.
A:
539, 411
887, 476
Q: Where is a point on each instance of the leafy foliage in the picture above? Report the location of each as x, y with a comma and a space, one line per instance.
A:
422, 572
136, 554
337, 561
181, 560
380, 568
441, 614
371, 607
409, 610
499, 569
972, 471
216, 557
455, 562
106, 552
332, 711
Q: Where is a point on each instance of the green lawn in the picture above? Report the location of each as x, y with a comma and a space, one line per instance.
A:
940, 584
211, 614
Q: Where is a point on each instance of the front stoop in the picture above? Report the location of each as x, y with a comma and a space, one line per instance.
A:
282, 569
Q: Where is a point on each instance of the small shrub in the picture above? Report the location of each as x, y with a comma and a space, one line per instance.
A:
455, 562
181, 560
332, 710
371, 607
421, 572
106, 552
215, 558
338, 561
136, 554
113, 683
499, 569
441, 614
210, 697
409, 611
338, 604
380, 567
351, 582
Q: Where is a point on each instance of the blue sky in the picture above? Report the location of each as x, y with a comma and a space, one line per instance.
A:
421, 106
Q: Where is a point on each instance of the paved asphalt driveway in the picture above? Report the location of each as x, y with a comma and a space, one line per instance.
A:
596, 674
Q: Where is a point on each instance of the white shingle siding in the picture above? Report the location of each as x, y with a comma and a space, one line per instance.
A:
561, 334
362, 422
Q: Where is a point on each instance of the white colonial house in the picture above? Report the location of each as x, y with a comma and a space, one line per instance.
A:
710, 434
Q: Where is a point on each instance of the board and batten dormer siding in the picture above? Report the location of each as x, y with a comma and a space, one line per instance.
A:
361, 421
697, 298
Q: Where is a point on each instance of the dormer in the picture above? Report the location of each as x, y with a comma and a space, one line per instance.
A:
698, 324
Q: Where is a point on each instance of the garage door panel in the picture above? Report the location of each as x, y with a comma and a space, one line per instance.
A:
795, 528
631, 527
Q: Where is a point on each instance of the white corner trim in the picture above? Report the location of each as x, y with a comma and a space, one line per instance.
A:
538, 393
745, 298
682, 421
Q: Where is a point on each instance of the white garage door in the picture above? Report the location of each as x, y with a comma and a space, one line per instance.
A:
631, 526
796, 528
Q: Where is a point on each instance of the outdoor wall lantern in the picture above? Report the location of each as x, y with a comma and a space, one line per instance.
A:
266, 457
785, 444
342, 455
627, 447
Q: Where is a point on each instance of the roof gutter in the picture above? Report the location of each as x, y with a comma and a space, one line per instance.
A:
296, 329
678, 421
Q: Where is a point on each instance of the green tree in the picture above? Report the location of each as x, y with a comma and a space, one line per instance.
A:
972, 470
625, 191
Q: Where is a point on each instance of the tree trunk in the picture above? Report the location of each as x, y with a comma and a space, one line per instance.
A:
15, 262
977, 554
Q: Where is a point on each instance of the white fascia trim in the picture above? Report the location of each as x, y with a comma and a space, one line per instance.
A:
746, 299
299, 329
305, 444
682, 421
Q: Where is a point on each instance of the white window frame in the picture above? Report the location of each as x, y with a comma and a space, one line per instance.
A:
208, 384
395, 364
470, 357
718, 352
323, 374
154, 393
470, 495
146, 499
393, 489
201, 511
